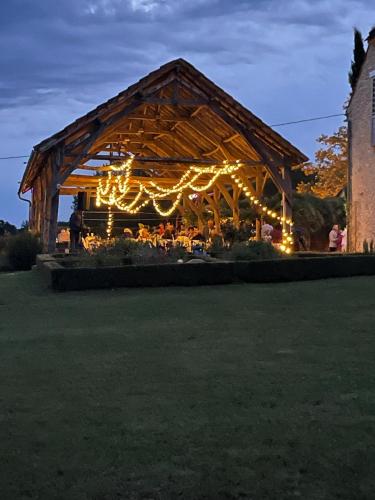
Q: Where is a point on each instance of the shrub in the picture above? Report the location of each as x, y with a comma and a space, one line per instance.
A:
217, 246
176, 253
253, 250
7, 228
127, 251
22, 250
120, 246
4, 242
146, 254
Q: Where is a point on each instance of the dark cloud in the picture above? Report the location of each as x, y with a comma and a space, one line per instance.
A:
76, 45
283, 59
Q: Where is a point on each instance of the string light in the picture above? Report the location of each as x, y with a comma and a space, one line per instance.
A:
115, 188
109, 222
287, 238
167, 213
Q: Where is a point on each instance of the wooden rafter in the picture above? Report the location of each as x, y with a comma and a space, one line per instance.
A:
173, 117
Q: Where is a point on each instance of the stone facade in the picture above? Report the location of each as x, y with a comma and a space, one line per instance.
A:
361, 192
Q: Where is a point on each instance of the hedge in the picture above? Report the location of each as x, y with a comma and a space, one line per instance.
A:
205, 273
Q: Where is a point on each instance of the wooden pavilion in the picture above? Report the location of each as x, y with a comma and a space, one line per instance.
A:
171, 119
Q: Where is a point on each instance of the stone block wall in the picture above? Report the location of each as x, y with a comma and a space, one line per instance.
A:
361, 207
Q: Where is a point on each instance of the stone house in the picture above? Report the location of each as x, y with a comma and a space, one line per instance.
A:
361, 135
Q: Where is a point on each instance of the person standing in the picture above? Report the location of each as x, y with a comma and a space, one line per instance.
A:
208, 229
344, 239
333, 238
75, 226
266, 232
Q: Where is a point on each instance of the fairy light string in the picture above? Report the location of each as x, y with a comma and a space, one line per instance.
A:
287, 237
116, 187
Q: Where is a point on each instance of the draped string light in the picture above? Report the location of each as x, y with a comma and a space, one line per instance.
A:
287, 238
109, 222
116, 187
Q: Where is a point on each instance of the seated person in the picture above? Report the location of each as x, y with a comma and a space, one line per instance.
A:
128, 233
63, 236
190, 232
170, 232
197, 235
143, 233
183, 230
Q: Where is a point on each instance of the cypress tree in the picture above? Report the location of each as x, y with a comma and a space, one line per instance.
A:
359, 55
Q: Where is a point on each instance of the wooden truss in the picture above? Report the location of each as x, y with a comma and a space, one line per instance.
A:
173, 118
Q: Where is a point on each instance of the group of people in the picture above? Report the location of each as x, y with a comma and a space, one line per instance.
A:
168, 231
164, 231
337, 239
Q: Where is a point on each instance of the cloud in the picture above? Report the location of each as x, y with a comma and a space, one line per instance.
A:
78, 45
284, 59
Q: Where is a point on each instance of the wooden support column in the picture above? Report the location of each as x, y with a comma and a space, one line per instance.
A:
216, 199
50, 194
215, 209
235, 207
286, 196
36, 201
43, 203
258, 192
198, 210
232, 200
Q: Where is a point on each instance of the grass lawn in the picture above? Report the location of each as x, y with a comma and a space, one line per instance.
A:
227, 392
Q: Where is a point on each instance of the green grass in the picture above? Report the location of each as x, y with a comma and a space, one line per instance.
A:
237, 391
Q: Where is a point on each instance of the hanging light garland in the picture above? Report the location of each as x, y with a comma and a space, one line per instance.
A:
109, 223
287, 234
115, 188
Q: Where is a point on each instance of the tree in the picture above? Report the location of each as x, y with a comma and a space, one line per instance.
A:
7, 228
327, 176
74, 205
316, 217
359, 55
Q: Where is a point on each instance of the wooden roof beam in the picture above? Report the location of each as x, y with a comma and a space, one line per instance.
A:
271, 159
199, 128
159, 117
163, 101
89, 180
169, 159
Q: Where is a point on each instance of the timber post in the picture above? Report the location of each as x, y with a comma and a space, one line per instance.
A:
258, 191
286, 196
235, 207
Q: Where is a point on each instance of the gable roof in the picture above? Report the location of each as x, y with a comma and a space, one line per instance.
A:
193, 79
